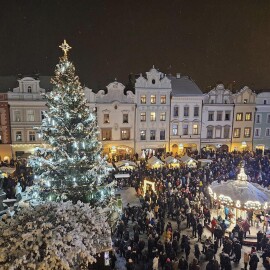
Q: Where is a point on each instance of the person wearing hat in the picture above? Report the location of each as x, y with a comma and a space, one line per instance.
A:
168, 264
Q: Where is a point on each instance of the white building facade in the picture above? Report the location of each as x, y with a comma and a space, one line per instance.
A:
115, 112
186, 113
152, 97
217, 119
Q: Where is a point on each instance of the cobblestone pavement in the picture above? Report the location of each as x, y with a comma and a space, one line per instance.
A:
120, 264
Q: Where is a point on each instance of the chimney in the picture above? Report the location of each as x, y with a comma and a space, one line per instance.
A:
178, 75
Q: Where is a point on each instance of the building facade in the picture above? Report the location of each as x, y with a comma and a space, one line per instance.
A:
115, 112
261, 139
186, 113
217, 119
243, 120
152, 97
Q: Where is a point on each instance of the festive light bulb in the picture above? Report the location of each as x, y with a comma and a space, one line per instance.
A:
75, 145
67, 115
83, 145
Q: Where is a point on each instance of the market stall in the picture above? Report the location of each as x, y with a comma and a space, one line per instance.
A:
125, 165
190, 162
172, 162
154, 163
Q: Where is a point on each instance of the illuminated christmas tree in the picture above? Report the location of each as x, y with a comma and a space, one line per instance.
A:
70, 167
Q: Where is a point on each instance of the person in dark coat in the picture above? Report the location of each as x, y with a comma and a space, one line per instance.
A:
253, 262
237, 251
200, 231
183, 264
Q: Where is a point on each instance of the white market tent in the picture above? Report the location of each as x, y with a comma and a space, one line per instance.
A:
172, 161
125, 165
189, 161
204, 162
7, 170
154, 162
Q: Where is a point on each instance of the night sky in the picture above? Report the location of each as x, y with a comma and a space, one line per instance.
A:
211, 41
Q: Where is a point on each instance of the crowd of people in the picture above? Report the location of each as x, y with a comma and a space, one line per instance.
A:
175, 214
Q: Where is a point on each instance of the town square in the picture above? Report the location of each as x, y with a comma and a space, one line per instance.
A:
153, 172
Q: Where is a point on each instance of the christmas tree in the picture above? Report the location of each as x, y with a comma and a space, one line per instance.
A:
70, 166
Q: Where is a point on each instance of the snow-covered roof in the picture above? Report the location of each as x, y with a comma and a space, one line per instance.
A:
154, 160
171, 159
184, 86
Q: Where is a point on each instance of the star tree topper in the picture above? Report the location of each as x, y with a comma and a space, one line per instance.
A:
65, 48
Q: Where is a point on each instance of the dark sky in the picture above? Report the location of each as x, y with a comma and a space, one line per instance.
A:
211, 41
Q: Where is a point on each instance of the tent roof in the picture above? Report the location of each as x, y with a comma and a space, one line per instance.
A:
124, 163
171, 159
153, 160
186, 158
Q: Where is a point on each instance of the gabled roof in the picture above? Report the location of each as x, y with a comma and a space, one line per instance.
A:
184, 86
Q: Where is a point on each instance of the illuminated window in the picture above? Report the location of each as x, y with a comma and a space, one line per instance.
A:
236, 133
153, 99
162, 116
195, 129
248, 116
152, 116
143, 99
106, 134
239, 117
143, 116
125, 134
247, 132
162, 99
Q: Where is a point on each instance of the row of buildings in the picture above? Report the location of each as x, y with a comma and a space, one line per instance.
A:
165, 114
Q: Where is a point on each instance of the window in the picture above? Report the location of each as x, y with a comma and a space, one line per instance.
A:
1, 135
185, 129
218, 132
42, 114
186, 111
162, 99
219, 116
236, 133
32, 136
212, 101
143, 135
30, 115
268, 118
152, 135
29, 89
162, 116
264, 101
125, 118
153, 99
152, 116
106, 134
17, 116
195, 129
258, 119
153, 81
143, 99
210, 116
239, 117
209, 132
226, 132
175, 129
196, 111
18, 136
175, 111
257, 132
267, 132
125, 134
162, 135
106, 118
143, 116
248, 116
245, 101
227, 116
247, 132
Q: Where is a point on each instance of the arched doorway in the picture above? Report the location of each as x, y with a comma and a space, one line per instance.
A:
175, 149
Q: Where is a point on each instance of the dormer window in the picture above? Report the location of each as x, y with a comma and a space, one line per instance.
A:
29, 89
153, 81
